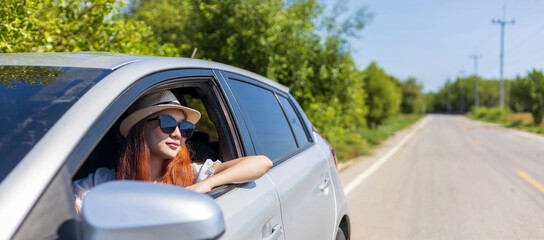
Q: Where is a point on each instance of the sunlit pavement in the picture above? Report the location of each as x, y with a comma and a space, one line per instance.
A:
453, 178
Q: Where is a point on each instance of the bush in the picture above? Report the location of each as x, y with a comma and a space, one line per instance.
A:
479, 113
495, 114
349, 146
530, 93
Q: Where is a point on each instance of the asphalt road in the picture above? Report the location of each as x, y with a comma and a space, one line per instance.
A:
449, 177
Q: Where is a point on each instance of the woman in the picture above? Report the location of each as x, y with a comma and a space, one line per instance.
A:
156, 130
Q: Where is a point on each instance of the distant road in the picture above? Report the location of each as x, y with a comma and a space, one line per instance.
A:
453, 178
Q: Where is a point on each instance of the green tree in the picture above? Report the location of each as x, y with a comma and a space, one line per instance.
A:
384, 97
31, 75
276, 39
518, 92
295, 43
458, 96
78, 25
432, 102
530, 91
412, 97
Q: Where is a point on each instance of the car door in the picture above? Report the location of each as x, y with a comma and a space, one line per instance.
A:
251, 210
300, 172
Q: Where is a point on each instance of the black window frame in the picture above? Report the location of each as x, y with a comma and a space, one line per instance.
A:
228, 76
236, 114
300, 119
305, 121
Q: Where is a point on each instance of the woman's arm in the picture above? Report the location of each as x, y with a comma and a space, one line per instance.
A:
240, 170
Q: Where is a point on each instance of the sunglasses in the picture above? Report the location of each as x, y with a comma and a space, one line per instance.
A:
168, 125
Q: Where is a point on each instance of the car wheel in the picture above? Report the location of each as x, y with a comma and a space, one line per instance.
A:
340, 235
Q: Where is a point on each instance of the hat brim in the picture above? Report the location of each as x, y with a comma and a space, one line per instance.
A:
191, 115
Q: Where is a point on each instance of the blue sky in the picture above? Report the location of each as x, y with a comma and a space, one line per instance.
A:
432, 40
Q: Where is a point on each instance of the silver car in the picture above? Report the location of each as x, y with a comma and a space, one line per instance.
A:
59, 122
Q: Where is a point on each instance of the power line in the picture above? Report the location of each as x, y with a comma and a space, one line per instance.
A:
522, 42
502, 22
529, 60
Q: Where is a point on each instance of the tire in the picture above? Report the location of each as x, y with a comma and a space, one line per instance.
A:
340, 235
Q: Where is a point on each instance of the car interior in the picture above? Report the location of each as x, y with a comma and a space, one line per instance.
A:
211, 139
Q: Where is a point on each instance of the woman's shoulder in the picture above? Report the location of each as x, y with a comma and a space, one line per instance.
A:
100, 176
80, 187
105, 172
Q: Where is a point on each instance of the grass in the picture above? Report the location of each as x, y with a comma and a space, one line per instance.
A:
374, 137
523, 121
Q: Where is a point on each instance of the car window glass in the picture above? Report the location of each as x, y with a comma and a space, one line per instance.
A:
271, 133
294, 120
32, 99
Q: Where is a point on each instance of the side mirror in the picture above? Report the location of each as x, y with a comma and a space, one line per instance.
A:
143, 210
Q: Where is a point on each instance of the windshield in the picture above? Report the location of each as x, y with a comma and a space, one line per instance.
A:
32, 99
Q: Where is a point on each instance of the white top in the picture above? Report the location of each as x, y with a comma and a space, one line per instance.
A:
80, 187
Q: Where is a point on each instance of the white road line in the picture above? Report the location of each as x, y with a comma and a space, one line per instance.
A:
364, 175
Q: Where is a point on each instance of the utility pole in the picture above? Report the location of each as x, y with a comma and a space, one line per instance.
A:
476, 94
502, 22
448, 104
462, 94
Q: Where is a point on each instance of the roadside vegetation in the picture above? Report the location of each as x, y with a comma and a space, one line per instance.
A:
374, 137
296, 43
524, 100
508, 118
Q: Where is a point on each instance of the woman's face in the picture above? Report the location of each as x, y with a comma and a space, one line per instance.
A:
162, 145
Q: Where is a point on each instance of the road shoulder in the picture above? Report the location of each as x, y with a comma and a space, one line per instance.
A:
383, 148
352, 168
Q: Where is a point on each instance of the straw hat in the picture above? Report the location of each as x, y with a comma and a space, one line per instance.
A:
153, 103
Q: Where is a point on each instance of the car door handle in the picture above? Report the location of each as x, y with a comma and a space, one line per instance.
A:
276, 233
325, 184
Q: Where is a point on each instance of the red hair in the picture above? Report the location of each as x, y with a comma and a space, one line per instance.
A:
134, 163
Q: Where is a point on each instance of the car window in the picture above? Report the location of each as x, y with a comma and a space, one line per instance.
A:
205, 140
32, 99
294, 120
262, 113
209, 141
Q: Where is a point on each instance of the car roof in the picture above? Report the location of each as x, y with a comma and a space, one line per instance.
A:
103, 60
113, 61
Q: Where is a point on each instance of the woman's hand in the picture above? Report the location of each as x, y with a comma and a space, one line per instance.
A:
201, 187
240, 170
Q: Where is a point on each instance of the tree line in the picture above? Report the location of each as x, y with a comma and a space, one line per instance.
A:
522, 94
296, 43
